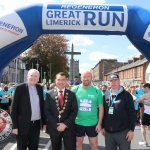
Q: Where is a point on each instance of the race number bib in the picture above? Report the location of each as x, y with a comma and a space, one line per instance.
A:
85, 105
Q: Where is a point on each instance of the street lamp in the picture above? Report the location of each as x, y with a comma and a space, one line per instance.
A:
16, 69
104, 69
37, 65
44, 74
50, 72
41, 75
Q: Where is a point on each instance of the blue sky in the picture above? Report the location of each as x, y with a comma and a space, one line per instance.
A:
93, 48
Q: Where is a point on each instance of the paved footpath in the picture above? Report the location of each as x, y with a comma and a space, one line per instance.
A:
45, 143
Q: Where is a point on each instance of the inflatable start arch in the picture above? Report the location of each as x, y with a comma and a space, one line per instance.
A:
20, 28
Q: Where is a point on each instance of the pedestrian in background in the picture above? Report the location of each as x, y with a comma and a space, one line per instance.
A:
145, 99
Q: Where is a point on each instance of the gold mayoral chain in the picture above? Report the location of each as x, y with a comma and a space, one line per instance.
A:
61, 110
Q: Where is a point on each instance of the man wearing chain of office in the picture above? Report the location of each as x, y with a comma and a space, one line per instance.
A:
61, 110
119, 116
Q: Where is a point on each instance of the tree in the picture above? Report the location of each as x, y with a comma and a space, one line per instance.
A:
50, 48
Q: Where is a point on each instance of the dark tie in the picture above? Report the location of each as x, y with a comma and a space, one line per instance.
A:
61, 98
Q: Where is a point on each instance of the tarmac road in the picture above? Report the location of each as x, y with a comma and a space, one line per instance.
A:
45, 143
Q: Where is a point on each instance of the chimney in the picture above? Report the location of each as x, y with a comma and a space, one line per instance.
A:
141, 57
135, 59
125, 63
130, 61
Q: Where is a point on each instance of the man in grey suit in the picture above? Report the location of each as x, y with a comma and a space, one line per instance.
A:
27, 112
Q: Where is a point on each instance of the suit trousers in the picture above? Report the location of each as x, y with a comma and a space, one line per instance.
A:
31, 140
69, 142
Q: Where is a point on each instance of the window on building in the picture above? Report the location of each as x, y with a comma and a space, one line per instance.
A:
141, 70
135, 72
13, 65
113, 65
4, 78
14, 77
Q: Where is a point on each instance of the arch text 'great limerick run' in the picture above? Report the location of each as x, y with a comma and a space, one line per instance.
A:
21, 27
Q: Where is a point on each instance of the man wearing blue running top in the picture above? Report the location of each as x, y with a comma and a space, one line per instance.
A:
139, 92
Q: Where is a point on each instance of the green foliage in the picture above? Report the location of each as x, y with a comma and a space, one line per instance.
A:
48, 49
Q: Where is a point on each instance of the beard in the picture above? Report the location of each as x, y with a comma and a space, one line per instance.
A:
86, 83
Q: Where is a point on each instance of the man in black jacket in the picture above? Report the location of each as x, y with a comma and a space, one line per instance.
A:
119, 116
27, 112
61, 110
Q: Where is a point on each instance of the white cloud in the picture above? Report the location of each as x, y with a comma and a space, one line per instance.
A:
27, 1
96, 56
84, 66
83, 1
80, 40
134, 55
138, 54
132, 47
13, 4
130, 56
82, 50
1, 9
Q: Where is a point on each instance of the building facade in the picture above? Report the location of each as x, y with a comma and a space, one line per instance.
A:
14, 72
132, 72
74, 72
101, 68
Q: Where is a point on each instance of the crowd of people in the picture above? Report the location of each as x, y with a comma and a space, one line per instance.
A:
6, 93
69, 111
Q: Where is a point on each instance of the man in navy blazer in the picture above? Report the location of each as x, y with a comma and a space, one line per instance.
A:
27, 112
61, 110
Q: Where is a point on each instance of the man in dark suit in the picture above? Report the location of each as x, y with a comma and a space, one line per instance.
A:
27, 112
61, 110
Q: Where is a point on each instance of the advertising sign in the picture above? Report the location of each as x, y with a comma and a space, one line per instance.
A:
11, 28
84, 17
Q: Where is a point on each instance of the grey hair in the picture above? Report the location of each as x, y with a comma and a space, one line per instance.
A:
33, 70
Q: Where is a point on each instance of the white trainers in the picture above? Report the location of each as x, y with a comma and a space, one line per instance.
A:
140, 121
143, 143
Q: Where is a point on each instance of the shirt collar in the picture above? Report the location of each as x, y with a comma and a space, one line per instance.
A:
60, 90
31, 86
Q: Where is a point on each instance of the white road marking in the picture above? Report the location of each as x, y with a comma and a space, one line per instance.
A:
45, 137
42, 144
13, 147
47, 145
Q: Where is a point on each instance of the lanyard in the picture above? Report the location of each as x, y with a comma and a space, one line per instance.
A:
112, 100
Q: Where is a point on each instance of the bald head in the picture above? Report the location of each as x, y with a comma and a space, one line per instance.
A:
86, 78
87, 73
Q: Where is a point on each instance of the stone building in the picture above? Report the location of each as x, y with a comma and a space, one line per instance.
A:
102, 67
14, 72
133, 72
75, 70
